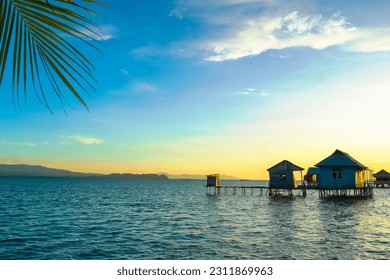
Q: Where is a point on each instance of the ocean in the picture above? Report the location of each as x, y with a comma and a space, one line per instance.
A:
113, 219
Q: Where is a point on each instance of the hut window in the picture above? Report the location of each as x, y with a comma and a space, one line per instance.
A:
282, 177
337, 175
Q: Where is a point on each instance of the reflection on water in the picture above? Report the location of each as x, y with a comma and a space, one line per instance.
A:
119, 219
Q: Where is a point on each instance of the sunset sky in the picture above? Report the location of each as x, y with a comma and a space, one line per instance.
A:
223, 86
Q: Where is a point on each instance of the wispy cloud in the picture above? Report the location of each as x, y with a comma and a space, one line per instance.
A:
244, 93
253, 92
27, 144
177, 12
243, 28
292, 30
86, 140
370, 40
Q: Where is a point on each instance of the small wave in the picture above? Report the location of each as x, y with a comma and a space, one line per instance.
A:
12, 240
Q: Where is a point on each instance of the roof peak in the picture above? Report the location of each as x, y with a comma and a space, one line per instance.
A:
340, 158
285, 162
382, 172
340, 152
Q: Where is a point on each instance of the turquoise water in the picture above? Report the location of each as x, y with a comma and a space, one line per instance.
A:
58, 218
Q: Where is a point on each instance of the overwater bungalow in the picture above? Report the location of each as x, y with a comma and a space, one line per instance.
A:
281, 177
382, 179
337, 175
342, 175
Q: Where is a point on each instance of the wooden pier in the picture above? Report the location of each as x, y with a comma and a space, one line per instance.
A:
366, 192
256, 190
213, 188
338, 175
253, 190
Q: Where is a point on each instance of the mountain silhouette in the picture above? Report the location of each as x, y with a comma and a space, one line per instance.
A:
25, 170
37, 171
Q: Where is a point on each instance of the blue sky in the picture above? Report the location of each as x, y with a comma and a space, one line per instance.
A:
227, 86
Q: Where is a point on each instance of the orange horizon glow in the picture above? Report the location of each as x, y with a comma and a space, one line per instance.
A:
253, 171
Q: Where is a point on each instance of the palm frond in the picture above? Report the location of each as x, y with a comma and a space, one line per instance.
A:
38, 36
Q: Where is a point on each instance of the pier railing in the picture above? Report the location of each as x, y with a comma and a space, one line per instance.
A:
301, 190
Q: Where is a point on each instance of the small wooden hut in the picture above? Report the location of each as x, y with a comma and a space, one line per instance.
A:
281, 175
213, 180
382, 179
340, 170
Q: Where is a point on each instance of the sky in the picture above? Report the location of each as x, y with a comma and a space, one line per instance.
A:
225, 86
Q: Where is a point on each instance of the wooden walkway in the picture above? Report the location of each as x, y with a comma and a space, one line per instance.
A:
366, 192
255, 190
234, 189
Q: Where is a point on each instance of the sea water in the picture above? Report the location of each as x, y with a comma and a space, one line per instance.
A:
104, 219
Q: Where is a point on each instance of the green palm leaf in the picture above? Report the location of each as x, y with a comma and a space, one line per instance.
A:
37, 36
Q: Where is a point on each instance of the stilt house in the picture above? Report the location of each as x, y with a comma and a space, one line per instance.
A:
281, 175
340, 171
213, 180
382, 178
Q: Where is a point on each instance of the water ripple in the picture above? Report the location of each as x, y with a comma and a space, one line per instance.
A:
114, 219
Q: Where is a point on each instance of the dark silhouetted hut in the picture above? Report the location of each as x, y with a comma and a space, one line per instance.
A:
382, 178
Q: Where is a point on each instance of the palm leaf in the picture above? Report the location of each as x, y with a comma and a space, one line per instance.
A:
38, 37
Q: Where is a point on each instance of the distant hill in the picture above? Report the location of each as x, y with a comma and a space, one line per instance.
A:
25, 170
37, 171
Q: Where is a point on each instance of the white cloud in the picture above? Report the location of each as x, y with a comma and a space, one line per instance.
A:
242, 28
370, 40
86, 140
253, 91
244, 93
292, 30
